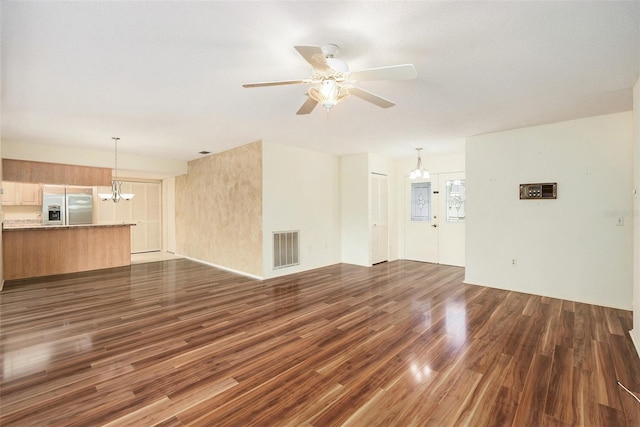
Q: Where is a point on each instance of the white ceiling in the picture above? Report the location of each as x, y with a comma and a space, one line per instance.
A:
166, 76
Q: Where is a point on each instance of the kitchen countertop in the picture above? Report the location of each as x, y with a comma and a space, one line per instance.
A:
18, 227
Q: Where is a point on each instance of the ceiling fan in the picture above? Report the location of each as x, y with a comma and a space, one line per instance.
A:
333, 82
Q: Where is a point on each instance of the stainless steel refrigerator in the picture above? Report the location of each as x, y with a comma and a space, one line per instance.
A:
67, 205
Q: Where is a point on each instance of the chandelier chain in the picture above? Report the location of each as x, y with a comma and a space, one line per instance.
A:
116, 186
115, 139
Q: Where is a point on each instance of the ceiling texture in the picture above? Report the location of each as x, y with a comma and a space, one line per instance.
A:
166, 77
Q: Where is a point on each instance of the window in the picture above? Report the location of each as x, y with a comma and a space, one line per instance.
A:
420, 201
456, 197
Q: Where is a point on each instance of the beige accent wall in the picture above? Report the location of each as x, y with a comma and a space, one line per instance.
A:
219, 210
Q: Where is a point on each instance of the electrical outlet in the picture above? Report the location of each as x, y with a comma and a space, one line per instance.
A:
514, 262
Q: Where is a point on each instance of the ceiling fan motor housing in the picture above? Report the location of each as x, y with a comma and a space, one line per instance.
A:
330, 50
337, 65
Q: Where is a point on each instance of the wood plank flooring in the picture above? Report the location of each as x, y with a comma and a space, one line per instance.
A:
176, 343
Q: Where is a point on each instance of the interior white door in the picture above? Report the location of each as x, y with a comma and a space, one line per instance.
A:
379, 227
421, 219
145, 212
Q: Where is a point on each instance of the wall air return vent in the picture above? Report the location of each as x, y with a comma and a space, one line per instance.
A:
286, 249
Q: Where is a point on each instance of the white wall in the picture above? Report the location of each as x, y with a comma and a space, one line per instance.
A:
129, 166
635, 333
300, 191
354, 204
571, 247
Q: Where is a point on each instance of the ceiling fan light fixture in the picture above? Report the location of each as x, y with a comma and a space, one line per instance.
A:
329, 93
419, 171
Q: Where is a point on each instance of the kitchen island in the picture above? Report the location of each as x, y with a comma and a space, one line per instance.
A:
36, 250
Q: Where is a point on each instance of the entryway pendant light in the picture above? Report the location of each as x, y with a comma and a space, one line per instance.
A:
419, 171
116, 192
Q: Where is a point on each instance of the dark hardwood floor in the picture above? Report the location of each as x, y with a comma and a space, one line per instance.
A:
176, 343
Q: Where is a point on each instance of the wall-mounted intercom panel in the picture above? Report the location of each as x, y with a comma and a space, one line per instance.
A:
546, 190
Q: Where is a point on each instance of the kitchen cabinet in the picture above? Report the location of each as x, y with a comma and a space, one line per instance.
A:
44, 251
54, 173
8, 193
29, 194
21, 194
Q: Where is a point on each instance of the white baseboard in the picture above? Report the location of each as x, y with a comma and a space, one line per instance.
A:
636, 341
231, 270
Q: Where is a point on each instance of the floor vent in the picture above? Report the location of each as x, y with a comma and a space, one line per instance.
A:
286, 249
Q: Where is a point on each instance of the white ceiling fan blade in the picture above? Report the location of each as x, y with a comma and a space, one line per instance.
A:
277, 83
393, 72
374, 99
314, 56
308, 106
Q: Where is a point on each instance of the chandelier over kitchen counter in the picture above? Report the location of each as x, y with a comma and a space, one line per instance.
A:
116, 192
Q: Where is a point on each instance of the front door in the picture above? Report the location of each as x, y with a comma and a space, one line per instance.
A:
434, 214
421, 219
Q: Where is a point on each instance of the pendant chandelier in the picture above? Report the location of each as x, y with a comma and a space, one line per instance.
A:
419, 171
116, 192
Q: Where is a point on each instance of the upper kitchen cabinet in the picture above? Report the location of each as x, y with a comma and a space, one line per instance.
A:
29, 194
54, 173
21, 193
8, 193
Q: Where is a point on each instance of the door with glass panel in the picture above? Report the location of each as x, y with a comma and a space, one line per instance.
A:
451, 229
421, 219
434, 219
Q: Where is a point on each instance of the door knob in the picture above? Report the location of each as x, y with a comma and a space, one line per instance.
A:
434, 225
